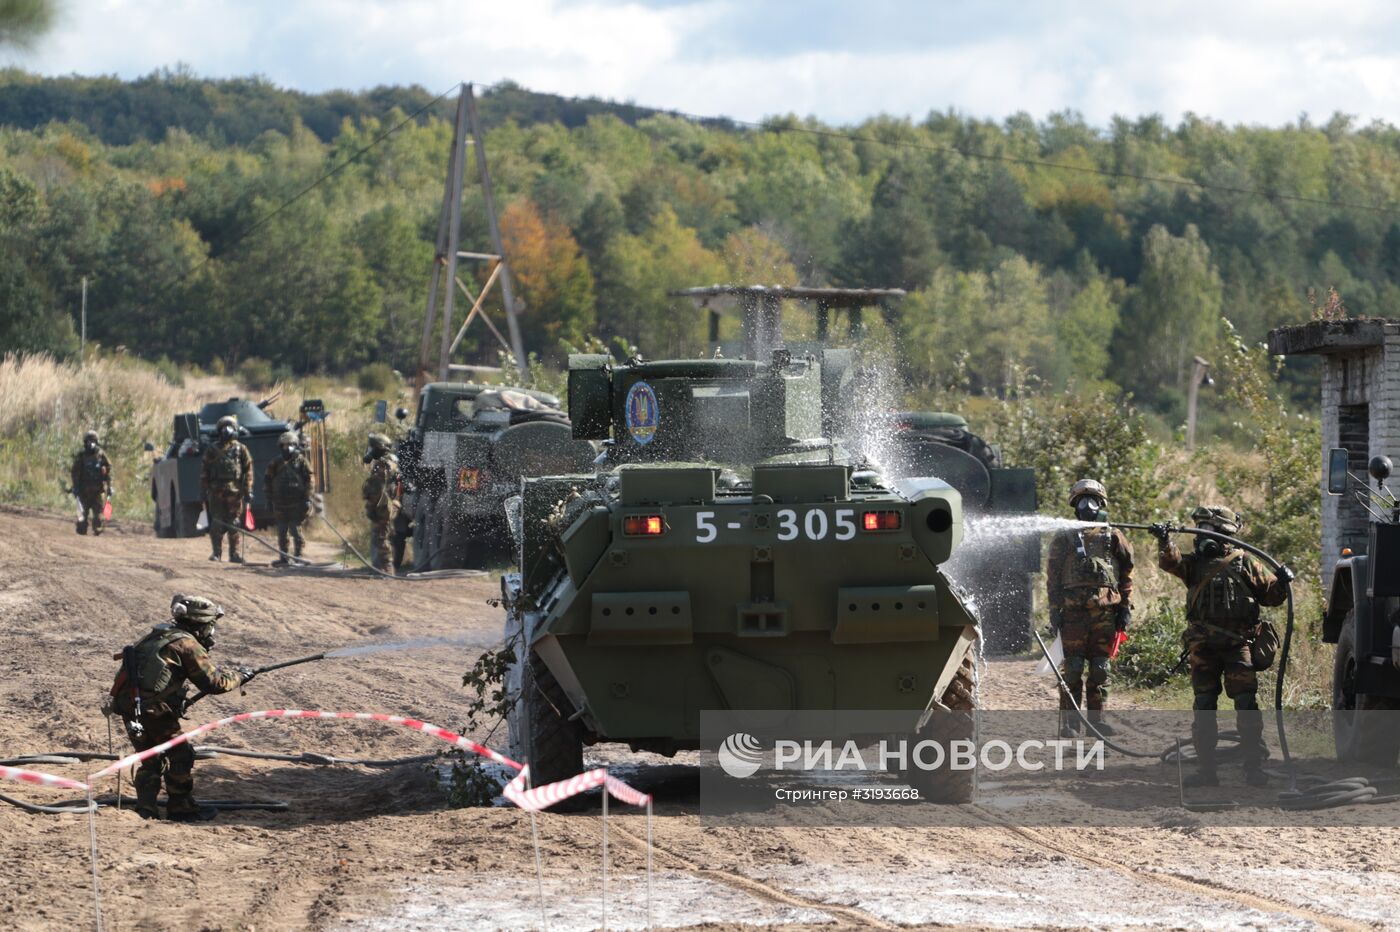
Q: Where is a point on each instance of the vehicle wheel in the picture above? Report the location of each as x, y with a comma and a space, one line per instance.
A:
945, 785
1359, 729
422, 539
541, 733
184, 517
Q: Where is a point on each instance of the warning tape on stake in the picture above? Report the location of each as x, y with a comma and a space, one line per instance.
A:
542, 797
38, 778
539, 797
428, 728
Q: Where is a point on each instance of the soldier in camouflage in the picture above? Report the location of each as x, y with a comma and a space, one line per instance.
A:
226, 480
1225, 587
150, 695
1089, 584
381, 495
91, 482
289, 489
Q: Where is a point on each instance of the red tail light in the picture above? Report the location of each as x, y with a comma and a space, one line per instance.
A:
643, 526
881, 520
468, 479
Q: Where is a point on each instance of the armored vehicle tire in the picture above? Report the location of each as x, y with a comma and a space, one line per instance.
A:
187, 519
549, 742
1369, 737
945, 785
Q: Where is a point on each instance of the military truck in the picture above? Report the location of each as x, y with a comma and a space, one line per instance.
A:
465, 454
175, 477
925, 443
728, 555
1363, 620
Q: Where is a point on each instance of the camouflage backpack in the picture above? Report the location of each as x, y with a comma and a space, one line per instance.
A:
227, 464
145, 678
1091, 564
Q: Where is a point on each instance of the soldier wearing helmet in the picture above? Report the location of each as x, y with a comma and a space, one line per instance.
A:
150, 693
92, 483
289, 489
226, 480
1089, 584
1225, 588
381, 493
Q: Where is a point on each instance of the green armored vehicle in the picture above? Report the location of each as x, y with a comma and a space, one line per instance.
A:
465, 454
728, 556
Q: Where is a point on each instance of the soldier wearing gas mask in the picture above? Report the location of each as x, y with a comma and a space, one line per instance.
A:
1225, 588
1089, 584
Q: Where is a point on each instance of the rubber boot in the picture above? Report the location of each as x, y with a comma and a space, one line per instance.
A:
185, 809
1204, 733
82, 527
218, 553
147, 794
235, 555
1100, 724
1070, 724
1250, 722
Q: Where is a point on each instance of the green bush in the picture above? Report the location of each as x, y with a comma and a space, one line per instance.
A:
168, 370
1154, 645
379, 379
256, 373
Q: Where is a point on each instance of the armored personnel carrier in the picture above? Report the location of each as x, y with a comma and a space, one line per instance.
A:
728, 556
466, 453
175, 477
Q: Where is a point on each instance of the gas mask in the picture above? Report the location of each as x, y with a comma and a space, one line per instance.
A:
91, 446
1209, 547
289, 452
1090, 508
226, 432
371, 455
204, 634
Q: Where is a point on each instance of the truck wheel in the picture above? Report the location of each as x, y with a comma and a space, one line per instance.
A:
1359, 729
546, 739
945, 785
184, 517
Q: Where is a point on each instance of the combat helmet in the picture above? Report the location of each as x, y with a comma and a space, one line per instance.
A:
1222, 519
1087, 487
227, 421
289, 438
90, 437
380, 443
197, 615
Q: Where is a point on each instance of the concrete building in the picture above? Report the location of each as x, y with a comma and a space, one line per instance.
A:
1360, 409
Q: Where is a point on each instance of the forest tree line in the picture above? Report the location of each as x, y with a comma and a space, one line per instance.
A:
1108, 269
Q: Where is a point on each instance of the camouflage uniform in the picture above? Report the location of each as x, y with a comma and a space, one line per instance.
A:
1088, 579
289, 489
156, 669
92, 483
1223, 596
226, 481
381, 495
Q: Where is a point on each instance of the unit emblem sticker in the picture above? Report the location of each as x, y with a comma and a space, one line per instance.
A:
643, 413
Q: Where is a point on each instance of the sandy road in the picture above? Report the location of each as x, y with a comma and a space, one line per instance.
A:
375, 849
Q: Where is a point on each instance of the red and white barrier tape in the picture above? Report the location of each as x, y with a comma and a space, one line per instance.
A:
542, 797
428, 728
39, 778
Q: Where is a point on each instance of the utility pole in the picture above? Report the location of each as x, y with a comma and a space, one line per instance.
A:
517, 345
1200, 374
82, 332
445, 280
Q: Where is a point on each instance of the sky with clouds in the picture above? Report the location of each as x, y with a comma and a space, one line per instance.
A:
1240, 61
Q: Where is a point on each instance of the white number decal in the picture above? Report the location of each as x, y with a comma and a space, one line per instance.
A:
705, 530
845, 523
788, 518
816, 524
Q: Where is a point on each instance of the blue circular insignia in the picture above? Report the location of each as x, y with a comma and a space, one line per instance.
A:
643, 413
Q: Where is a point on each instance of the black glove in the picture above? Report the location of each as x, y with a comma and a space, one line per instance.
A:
248, 501
1160, 531
1054, 623
245, 673
1125, 616
1284, 575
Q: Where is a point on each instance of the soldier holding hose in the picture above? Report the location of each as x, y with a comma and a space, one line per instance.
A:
1225, 588
1089, 582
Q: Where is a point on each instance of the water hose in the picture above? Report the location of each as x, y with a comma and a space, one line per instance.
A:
261, 670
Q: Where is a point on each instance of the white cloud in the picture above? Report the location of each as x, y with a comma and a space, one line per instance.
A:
1254, 61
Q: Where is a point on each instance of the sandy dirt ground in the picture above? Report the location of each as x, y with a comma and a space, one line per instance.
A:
371, 849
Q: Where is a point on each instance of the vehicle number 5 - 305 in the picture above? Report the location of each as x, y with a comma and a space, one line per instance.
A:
814, 524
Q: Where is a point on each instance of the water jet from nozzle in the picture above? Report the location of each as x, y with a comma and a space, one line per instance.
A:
363, 650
